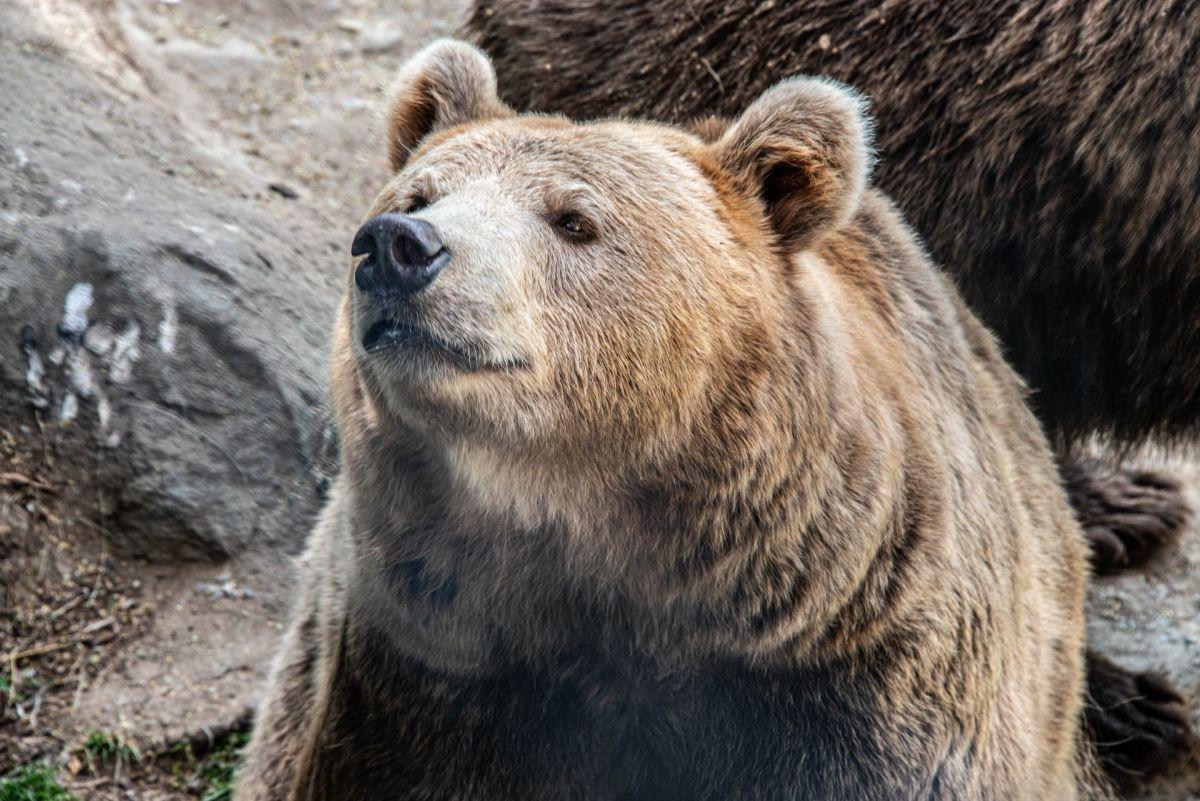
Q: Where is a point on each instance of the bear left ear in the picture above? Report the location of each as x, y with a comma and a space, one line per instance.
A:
804, 149
448, 83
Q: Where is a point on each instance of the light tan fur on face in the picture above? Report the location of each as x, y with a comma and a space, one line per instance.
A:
743, 438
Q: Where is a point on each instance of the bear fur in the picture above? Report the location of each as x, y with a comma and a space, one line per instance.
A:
1047, 152
689, 477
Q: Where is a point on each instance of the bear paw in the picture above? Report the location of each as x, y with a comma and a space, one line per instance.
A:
1128, 515
1138, 724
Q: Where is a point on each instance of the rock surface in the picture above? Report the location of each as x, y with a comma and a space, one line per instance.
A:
164, 324
179, 182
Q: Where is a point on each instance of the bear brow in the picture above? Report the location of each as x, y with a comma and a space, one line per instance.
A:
574, 196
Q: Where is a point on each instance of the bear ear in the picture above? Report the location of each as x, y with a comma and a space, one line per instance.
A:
804, 149
448, 83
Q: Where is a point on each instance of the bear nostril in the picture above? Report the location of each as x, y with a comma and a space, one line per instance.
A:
406, 251
417, 245
364, 243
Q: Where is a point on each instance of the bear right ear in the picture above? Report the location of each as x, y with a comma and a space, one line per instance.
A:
804, 150
448, 83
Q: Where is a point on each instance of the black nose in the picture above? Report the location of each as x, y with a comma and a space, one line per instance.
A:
403, 255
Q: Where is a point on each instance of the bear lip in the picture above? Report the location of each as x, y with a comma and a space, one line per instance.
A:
387, 334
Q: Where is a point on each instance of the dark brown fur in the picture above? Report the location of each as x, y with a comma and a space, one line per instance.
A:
1150, 722
762, 515
1128, 514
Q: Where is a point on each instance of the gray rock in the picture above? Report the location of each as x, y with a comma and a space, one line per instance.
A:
169, 331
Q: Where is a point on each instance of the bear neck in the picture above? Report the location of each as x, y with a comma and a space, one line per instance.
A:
779, 532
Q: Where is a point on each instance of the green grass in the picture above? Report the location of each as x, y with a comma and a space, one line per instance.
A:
14, 689
215, 774
104, 748
211, 777
32, 783
219, 768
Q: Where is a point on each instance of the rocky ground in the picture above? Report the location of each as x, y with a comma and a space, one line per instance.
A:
179, 181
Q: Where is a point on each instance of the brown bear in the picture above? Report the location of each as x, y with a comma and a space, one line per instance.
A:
1048, 152
671, 469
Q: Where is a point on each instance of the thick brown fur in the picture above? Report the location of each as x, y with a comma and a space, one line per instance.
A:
1147, 723
721, 492
1128, 514
1048, 152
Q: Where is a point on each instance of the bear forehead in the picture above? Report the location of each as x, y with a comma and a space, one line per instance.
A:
616, 157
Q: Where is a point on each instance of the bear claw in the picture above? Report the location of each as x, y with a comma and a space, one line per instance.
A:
1128, 515
1138, 723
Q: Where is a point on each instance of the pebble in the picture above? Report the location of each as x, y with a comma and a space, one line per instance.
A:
381, 41
227, 589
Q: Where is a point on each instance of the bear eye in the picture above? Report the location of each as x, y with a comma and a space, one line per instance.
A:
574, 227
416, 203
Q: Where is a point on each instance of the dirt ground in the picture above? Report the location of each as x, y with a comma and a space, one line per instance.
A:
134, 680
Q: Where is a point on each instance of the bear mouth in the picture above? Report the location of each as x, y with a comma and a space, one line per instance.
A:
394, 333
386, 335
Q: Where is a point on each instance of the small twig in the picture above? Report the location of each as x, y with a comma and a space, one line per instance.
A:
97, 625
68, 606
96, 584
101, 530
19, 480
88, 785
37, 707
37, 418
708, 66
37, 651
43, 558
117, 778
80, 680
101, 509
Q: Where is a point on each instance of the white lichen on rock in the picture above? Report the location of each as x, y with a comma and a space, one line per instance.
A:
99, 339
75, 309
91, 357
168, 329
125, 352
35, 376
69, 410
